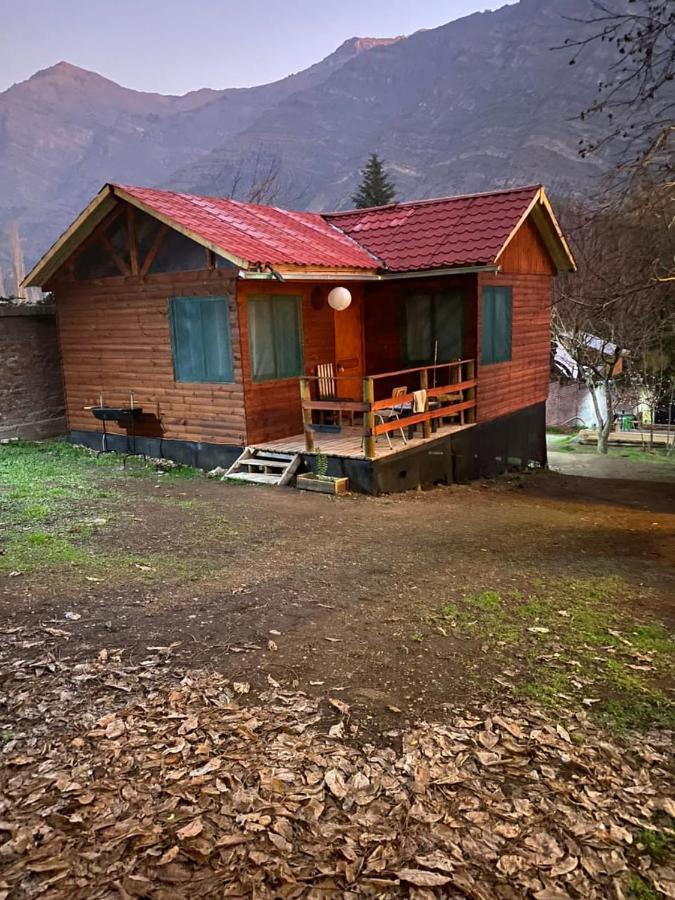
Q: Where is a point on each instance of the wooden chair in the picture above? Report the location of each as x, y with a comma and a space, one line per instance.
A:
327, 390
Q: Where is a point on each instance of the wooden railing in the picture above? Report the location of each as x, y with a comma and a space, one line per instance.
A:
450, 391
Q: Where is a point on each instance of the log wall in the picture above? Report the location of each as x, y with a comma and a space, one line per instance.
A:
509, 386
115, 339
273, 407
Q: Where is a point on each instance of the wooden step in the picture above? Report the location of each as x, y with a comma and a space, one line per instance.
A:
253, 477
251, 459
262, 461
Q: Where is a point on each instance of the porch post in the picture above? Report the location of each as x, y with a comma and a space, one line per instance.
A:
470, 393
424, 385
306, 395
369, 417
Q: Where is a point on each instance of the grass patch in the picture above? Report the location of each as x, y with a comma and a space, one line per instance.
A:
639, 889
63, 489
575, 640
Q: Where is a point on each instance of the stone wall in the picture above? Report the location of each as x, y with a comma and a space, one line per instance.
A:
31, 386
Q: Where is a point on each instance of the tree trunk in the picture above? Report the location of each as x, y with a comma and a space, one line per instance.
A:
601, 428
603, 432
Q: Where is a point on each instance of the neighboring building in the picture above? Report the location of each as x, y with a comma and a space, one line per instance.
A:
569, 400
217, 321
31, 383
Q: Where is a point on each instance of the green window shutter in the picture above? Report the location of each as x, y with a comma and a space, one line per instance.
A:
496, 329
275, 336
201, 339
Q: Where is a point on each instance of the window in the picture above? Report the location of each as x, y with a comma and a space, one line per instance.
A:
496, 325
178, 253
433, 327
275, 336
200, 336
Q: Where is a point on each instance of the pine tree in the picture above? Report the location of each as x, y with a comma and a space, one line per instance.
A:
376, 189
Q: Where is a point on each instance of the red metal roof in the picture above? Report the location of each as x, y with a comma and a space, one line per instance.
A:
258, 234
434, 234
424, 234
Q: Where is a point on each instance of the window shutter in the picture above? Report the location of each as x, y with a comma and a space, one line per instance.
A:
496, 326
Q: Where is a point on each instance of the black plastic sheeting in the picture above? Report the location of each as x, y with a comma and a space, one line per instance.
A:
482, 451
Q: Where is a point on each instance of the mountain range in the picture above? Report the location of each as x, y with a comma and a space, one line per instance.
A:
480, 103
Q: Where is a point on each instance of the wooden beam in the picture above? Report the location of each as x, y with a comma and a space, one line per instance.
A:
71, 238
369, 423
337, 405
452, 388
152, 252
395, 424
305, 397
470, 370
424, 385
133, 246
187, 232
119, 262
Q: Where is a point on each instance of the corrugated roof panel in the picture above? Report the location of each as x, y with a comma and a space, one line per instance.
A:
434, 234
259, 234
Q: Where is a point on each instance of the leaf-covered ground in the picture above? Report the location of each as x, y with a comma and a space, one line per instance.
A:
139, 781
464, 693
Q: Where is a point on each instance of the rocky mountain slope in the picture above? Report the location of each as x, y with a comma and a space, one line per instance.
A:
478, 103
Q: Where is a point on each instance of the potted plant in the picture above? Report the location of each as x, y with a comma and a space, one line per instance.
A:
319, 480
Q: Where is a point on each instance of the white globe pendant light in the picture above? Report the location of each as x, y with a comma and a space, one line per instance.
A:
339, 298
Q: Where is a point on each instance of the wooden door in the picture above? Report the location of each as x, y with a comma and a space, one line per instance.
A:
349, 357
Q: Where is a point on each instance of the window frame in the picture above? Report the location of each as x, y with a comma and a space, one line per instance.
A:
506, 355
270, 300
227, 336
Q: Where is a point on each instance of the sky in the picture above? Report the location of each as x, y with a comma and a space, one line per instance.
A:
174, 46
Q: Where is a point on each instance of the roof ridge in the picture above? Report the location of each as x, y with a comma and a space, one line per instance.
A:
427, 200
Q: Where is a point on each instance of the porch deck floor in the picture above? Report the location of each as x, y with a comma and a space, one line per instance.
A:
347, 442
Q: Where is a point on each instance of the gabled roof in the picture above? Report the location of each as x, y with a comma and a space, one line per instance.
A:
254, 233
469, 230
423, 235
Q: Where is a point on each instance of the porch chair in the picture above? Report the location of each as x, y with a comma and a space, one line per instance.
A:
327, 390
393, 412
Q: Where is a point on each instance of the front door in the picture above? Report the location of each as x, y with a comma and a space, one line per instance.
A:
349, 347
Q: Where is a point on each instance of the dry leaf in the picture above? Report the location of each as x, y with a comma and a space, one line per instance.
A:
192, 829
422, 878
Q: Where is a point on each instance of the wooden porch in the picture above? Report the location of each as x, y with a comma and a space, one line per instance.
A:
397, 410
348, 442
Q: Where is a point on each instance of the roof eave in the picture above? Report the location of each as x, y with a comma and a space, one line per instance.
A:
187, 232
551, 233
71, 238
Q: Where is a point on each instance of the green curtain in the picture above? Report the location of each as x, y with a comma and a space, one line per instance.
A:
275, 336
201, 340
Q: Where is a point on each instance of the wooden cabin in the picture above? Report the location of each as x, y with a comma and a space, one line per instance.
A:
410, 343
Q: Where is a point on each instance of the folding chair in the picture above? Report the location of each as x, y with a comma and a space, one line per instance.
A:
393, 412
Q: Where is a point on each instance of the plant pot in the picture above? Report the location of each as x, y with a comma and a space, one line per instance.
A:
326, 485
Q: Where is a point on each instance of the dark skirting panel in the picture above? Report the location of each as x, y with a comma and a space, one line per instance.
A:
186, 453
483, 451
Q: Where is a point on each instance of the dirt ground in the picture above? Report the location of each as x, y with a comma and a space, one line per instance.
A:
212, 690
341, 595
